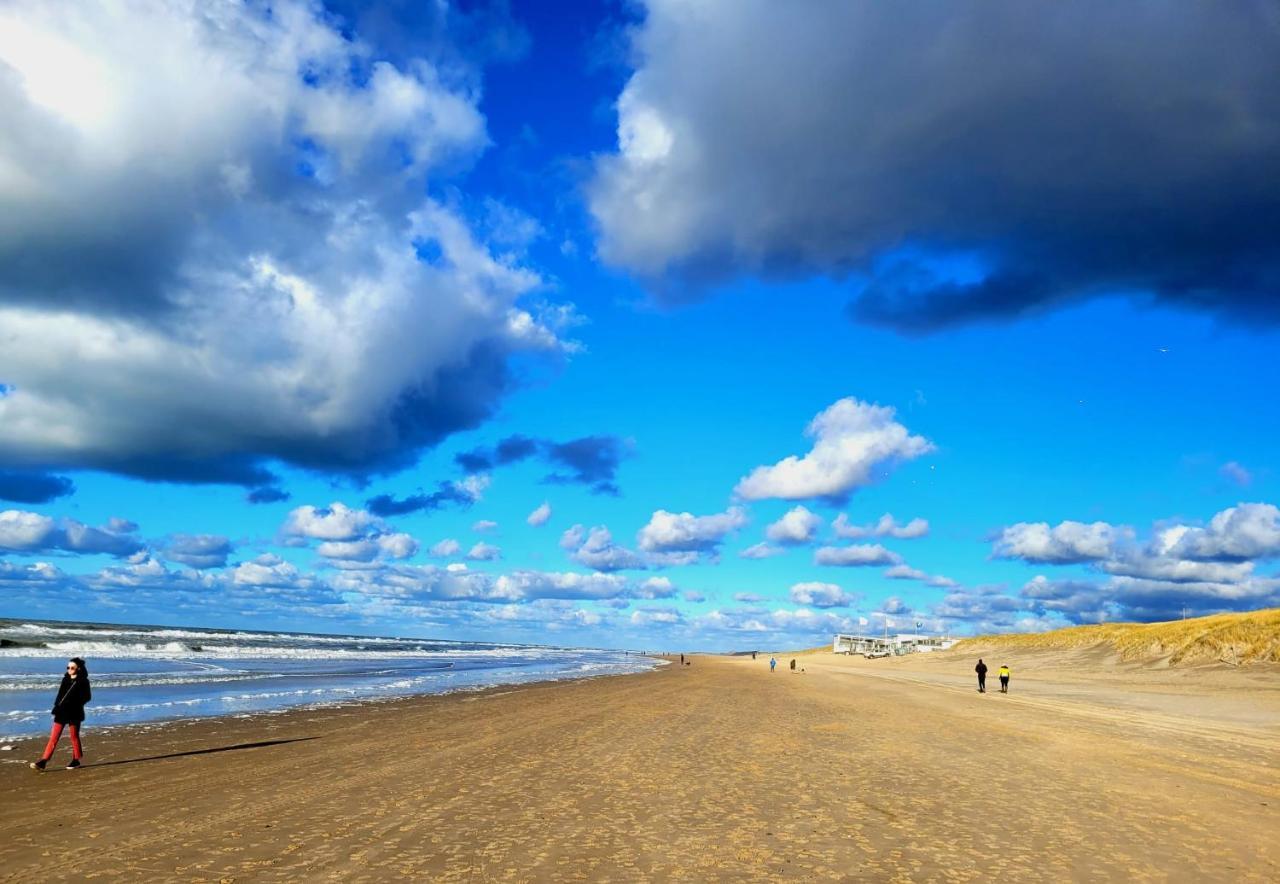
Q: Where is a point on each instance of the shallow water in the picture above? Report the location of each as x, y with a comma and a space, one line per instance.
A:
142, 674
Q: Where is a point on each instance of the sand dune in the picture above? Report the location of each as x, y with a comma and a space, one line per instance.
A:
1235, 639
886, 770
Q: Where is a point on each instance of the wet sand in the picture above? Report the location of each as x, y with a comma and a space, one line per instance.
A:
861, 770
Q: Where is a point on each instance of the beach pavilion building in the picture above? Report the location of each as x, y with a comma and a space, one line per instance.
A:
889, 645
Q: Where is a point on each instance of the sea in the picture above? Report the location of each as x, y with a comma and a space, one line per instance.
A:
143, 674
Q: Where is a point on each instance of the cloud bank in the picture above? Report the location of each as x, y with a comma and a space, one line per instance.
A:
957, 160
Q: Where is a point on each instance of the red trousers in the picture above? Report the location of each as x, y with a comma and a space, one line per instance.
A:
56, 734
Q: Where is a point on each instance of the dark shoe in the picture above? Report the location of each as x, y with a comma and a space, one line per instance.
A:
38, 765
75, 762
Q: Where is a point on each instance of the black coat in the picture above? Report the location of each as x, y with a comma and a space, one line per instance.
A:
73, 693
981, 669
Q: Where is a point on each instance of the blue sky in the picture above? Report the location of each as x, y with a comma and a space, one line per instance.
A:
410, 273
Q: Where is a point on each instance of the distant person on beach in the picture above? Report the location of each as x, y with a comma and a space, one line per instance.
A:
753, 655
773, 663
981, 669
793, 664
68, 712
682, 659
1004, 679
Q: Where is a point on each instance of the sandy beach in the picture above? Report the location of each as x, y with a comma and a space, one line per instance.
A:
859, 770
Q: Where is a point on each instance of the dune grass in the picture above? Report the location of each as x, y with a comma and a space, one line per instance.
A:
1238, 639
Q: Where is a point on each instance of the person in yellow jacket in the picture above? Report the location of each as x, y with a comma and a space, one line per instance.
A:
1004, 679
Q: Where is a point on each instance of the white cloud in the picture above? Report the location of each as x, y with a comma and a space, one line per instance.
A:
445, 548
886, 526
1065, 543
484, 525
266, 570
654, 588
761, 551
540, 515
484, 552
797, 526
334, 522
204, 273
1236, 473
598, 551
855, 555
22, 531
1244, 531
656, 616
821, 595
685, 533
852, 439
906, 572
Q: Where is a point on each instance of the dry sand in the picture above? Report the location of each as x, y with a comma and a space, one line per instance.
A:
861, 770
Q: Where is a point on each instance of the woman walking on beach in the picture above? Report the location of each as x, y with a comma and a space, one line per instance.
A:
981, 669
1004, 679
68, 712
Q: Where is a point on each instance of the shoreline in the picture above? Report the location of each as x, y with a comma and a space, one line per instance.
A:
157, 725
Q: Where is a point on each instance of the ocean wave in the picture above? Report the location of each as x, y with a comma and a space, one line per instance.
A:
178, 650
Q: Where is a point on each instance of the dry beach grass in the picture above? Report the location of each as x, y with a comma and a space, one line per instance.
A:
852, 770
1236, 639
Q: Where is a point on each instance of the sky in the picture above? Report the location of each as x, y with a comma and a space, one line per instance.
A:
674, 324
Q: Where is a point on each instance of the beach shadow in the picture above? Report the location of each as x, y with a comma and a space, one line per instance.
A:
236, 748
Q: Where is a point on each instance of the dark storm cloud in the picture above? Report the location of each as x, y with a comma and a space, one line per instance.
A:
957, 161
24, 487
268, 494
590, 460
385, 505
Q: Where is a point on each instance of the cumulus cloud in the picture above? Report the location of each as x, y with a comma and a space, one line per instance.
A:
1066, 543
797, 526
886, 526
484, 552
484, 525
596, 550
391, 546
852, 440
199, 551
334, 522
684, 537
540, 516
821, 595
1015, 158
201, 275
33, 533
654, 588
1244, 531
856, 555
445, 548
1181, 568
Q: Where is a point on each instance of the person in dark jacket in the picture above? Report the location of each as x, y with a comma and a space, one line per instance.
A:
981, 669
68, 712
